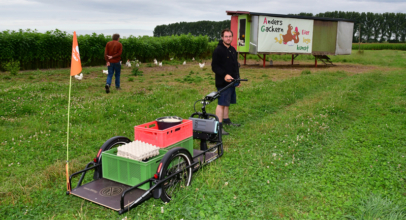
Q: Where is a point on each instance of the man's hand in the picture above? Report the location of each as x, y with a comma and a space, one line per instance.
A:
228, 78
109, 57
108, 64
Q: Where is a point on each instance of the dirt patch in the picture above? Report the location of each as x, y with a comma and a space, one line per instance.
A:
173, 75
285, 66
302, 65
170, 68
284, 69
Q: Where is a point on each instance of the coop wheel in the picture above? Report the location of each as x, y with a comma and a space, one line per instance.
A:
174, 161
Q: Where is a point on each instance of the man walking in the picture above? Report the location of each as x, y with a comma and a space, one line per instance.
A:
112, 55
225, 66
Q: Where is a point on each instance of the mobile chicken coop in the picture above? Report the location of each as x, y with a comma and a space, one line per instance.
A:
264, 33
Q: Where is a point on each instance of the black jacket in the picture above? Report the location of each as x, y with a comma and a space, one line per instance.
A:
224, 61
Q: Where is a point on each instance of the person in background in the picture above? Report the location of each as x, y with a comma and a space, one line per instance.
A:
225, 66
112, 55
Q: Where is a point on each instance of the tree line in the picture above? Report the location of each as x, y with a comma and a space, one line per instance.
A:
212, 29
375, 27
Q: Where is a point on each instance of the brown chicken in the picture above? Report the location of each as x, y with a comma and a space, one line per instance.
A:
289, 36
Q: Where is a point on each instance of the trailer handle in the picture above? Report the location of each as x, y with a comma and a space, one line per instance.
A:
83, 175
79, 172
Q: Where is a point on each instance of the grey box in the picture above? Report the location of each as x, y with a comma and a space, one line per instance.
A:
204, 125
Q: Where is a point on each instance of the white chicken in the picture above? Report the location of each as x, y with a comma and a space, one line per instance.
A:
79, 76
193, 59
171, 58
160, 64
128, 63
105, 71
184, 62
137, 65
202, 65
155, 62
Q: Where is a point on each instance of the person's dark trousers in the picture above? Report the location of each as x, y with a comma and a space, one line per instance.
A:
114, 67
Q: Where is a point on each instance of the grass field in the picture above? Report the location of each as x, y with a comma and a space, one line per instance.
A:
379, 46
315, 143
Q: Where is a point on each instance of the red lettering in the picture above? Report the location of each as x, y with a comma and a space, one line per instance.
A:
305, 32
265, 22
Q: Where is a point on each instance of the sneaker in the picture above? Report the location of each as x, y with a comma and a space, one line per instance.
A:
223, 132
231, 124
107, 87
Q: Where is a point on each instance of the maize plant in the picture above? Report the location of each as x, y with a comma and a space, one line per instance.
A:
52, 49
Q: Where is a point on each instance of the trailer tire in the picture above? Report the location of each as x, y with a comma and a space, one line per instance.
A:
177, 159
109, 144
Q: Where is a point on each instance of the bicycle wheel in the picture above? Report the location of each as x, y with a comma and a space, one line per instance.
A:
109, 144
175, 161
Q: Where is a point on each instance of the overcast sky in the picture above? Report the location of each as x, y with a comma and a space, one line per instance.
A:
133, 17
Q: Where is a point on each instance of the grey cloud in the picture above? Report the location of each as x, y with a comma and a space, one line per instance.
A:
141, 16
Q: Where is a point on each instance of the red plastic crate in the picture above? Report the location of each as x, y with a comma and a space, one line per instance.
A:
150, 133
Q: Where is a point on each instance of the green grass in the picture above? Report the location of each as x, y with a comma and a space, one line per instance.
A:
325, 145
375, 207
379, 46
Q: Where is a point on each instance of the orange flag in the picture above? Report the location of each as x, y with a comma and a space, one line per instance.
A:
76, 65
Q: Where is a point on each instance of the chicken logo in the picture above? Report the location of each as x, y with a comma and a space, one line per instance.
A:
290, 38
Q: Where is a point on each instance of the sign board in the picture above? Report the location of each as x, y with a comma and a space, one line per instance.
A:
285, 35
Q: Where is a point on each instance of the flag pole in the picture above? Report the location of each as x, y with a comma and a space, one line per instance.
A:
67, 138
75, 68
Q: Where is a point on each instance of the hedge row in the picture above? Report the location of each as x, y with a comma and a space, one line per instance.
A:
53, 48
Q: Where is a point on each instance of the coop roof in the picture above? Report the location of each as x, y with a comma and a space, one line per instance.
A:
286, 16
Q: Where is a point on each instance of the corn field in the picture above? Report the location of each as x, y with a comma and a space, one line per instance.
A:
53, 49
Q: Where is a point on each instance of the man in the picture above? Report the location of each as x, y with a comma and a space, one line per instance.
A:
112, 55
225, 66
